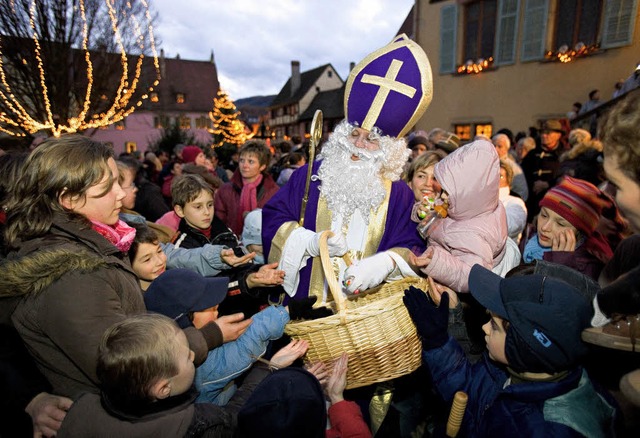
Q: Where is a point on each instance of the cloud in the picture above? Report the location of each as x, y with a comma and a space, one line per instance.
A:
254, 41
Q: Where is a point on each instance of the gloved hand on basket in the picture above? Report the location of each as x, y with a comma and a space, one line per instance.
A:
337, 245
303, 309
431, 321
368, 272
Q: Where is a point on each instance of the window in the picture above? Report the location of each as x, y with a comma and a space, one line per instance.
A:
120, 126
154, 97
577, 22
485, 129
180, 98
203, 122
329, 74
467, 131
448, 43
185, 122
463, 132
161, 122
479, 29
535, 30
619, 21
130, 147
508, 12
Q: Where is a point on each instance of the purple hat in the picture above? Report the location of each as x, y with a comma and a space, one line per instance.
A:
390, 89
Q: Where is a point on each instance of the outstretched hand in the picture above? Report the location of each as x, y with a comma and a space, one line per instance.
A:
436, 290
431, 321
229, 257
338, 380
266, 276
422, 261
320, 371
232, 326
290, 352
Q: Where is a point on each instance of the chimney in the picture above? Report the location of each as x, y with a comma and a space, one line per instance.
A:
352, 65
212, 60
295, 76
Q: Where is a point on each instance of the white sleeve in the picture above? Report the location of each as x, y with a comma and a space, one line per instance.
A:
294, 258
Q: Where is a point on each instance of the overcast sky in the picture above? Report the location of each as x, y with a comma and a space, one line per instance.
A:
254, 41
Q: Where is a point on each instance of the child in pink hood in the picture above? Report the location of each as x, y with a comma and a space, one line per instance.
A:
475, 228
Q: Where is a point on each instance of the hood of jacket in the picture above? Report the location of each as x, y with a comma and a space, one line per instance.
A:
41, 261
471, 177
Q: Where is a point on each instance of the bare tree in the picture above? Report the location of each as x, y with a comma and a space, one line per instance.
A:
73, 65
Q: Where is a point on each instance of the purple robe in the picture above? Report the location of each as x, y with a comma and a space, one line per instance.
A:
400, 231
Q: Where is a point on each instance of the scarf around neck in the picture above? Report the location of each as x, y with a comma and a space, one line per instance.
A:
120, 235
249, 196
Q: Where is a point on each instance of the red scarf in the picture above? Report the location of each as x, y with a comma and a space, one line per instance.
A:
120, 234
248, 197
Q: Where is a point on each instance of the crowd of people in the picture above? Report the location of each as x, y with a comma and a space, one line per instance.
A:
149, 297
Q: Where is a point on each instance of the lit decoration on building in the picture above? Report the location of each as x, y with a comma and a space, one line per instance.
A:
227, 127
17, 114
471, 67
564, 54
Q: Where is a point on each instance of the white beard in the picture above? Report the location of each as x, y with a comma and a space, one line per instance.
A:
348, 185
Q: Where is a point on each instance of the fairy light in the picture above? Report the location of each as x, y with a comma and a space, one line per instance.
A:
227, 127
17, 121
471, 67
565, 55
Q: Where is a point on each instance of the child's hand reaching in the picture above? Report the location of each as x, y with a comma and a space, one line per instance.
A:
338, 380
436, 290
319, 370
423, 260
565, 240
266, 276
228, 256
289, 353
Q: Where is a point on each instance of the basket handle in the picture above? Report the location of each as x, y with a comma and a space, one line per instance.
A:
332, 281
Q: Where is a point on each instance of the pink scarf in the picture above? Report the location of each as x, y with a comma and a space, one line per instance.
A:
248, 196
120, 234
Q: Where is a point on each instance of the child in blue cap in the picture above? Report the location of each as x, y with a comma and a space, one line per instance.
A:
530, 382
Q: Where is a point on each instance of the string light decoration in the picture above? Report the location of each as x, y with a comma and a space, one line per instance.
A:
32, 108
471, 67
227, 127
564, 54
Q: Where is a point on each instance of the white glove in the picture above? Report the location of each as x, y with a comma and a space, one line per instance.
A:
337, 245
368, 273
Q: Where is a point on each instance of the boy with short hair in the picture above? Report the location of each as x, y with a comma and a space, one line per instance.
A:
193, 203
192, 301
146, 373
192, 200
530, 382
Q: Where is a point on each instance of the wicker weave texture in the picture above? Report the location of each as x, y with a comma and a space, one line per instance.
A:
375, 330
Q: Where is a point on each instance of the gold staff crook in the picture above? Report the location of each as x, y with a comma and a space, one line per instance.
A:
316, 136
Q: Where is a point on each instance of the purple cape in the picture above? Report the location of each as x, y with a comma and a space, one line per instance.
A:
400, 231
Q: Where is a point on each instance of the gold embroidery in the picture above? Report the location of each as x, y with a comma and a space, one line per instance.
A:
279, 240
375, 230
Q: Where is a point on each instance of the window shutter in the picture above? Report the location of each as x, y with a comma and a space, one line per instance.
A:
507, 31
448, 44
619, 21
535, 30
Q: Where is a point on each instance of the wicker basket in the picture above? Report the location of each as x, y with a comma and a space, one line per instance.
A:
373, 327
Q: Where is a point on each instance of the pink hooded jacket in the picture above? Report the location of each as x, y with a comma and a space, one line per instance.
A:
475, 230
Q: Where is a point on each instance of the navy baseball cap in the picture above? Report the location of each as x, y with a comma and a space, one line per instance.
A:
546, 317
177, 292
